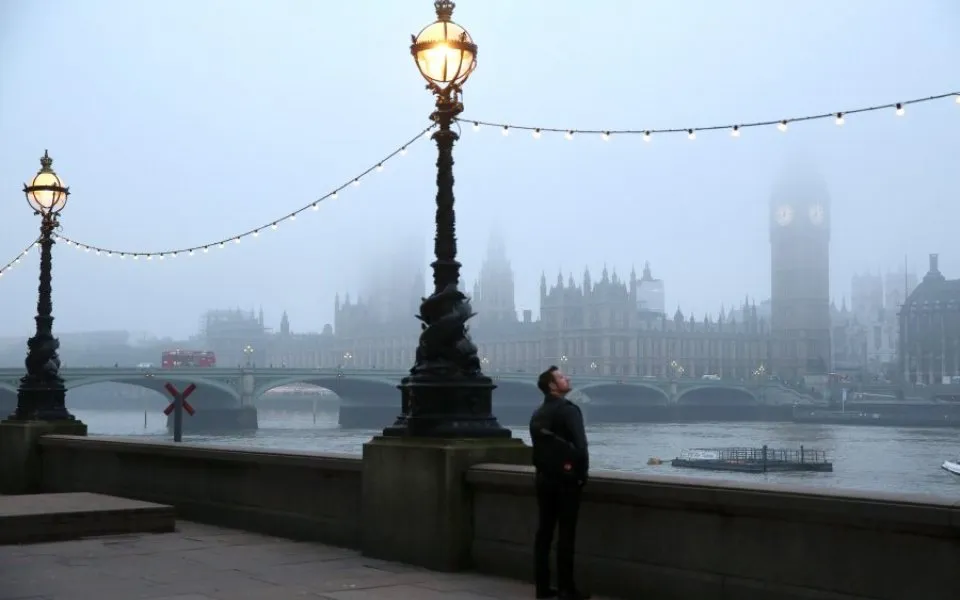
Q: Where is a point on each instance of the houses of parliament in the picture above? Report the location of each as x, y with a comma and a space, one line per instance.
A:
612, 325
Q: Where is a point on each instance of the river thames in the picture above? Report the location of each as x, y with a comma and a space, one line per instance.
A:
866, 458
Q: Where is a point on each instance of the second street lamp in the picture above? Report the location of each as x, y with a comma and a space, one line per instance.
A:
42, 393
446, 394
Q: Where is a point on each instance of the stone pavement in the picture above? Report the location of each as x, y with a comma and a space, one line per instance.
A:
200, 562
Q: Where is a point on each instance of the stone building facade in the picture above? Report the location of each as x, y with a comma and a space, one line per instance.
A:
600, 327
930, 329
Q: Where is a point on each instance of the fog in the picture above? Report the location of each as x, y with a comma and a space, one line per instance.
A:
179, 124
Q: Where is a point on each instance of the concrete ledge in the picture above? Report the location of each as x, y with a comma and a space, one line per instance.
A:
27, 519
670, 537
299, 495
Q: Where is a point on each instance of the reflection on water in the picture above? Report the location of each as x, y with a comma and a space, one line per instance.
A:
878, 458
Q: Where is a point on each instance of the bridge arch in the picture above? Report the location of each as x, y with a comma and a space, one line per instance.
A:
625, 393
350, 388
714, 395
213, 393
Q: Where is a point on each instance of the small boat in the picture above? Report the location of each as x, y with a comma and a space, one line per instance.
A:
951, 465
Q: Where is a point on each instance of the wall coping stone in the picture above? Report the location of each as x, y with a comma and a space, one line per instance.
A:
208, 452
885, 511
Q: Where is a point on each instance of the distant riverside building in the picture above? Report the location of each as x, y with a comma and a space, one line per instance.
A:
930, 329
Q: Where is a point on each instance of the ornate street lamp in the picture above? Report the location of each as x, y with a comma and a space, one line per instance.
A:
446, 393
248, 352
42, 394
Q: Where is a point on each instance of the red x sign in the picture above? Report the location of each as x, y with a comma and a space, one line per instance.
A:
172, 390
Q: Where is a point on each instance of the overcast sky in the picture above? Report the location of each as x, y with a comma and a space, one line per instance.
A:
180, 123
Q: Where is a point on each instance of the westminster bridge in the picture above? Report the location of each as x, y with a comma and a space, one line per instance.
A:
371, 396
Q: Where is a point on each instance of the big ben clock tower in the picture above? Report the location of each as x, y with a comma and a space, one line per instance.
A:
800, 280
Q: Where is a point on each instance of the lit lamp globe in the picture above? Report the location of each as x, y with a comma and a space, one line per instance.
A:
46, 193
444, 51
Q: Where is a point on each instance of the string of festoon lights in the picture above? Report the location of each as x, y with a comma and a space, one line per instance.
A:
271, 225
13, 262
897, 108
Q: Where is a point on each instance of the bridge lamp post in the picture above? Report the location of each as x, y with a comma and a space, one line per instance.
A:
248, 352
446, 394
42, 393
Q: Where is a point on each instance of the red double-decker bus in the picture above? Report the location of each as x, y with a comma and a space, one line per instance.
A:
179, 359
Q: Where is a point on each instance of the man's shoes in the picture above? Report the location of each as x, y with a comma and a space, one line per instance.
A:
572, 595
544, 593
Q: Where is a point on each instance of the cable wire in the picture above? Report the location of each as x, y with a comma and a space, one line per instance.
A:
16, 260
254, 232
899, 109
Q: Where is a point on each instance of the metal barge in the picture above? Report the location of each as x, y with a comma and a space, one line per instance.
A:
754, 460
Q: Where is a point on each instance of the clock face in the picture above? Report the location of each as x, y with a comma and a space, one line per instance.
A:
816, 214
784, 215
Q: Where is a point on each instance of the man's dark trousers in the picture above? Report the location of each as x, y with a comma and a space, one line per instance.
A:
559, 504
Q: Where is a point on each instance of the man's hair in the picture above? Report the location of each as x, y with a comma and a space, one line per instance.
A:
546, 378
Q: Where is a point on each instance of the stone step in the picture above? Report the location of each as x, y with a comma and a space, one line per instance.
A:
27, 519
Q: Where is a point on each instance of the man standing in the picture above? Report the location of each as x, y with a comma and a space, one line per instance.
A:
562, 461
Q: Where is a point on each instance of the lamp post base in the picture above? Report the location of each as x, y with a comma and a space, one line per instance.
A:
447, 408
42, 402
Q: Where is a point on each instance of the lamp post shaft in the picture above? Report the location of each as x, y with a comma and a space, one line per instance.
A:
446, 268
42, 392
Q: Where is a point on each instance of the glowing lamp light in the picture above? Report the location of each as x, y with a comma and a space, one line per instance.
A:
46, 193
444, 52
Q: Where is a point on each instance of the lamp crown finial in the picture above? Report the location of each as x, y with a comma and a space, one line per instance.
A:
444, 9
45, 161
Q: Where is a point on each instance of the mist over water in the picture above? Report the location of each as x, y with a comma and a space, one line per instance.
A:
866, 458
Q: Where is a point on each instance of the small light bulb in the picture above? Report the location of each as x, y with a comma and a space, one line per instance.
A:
149, 257
735, 132
900, 110
191, 253
476, 126
691, 134
123, 257
428, 133
256, 233
403, 151
568, 135
379, 167
293, 217
782, 126
86, 249
206, 249
334, 196
173, 255
840, 120
356, 181
536, 134
646, 136
958, 99
220, 245
236, 240
274, 226
109, 254
97, 253
316, 206
605, 136
506, 130
161, 257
